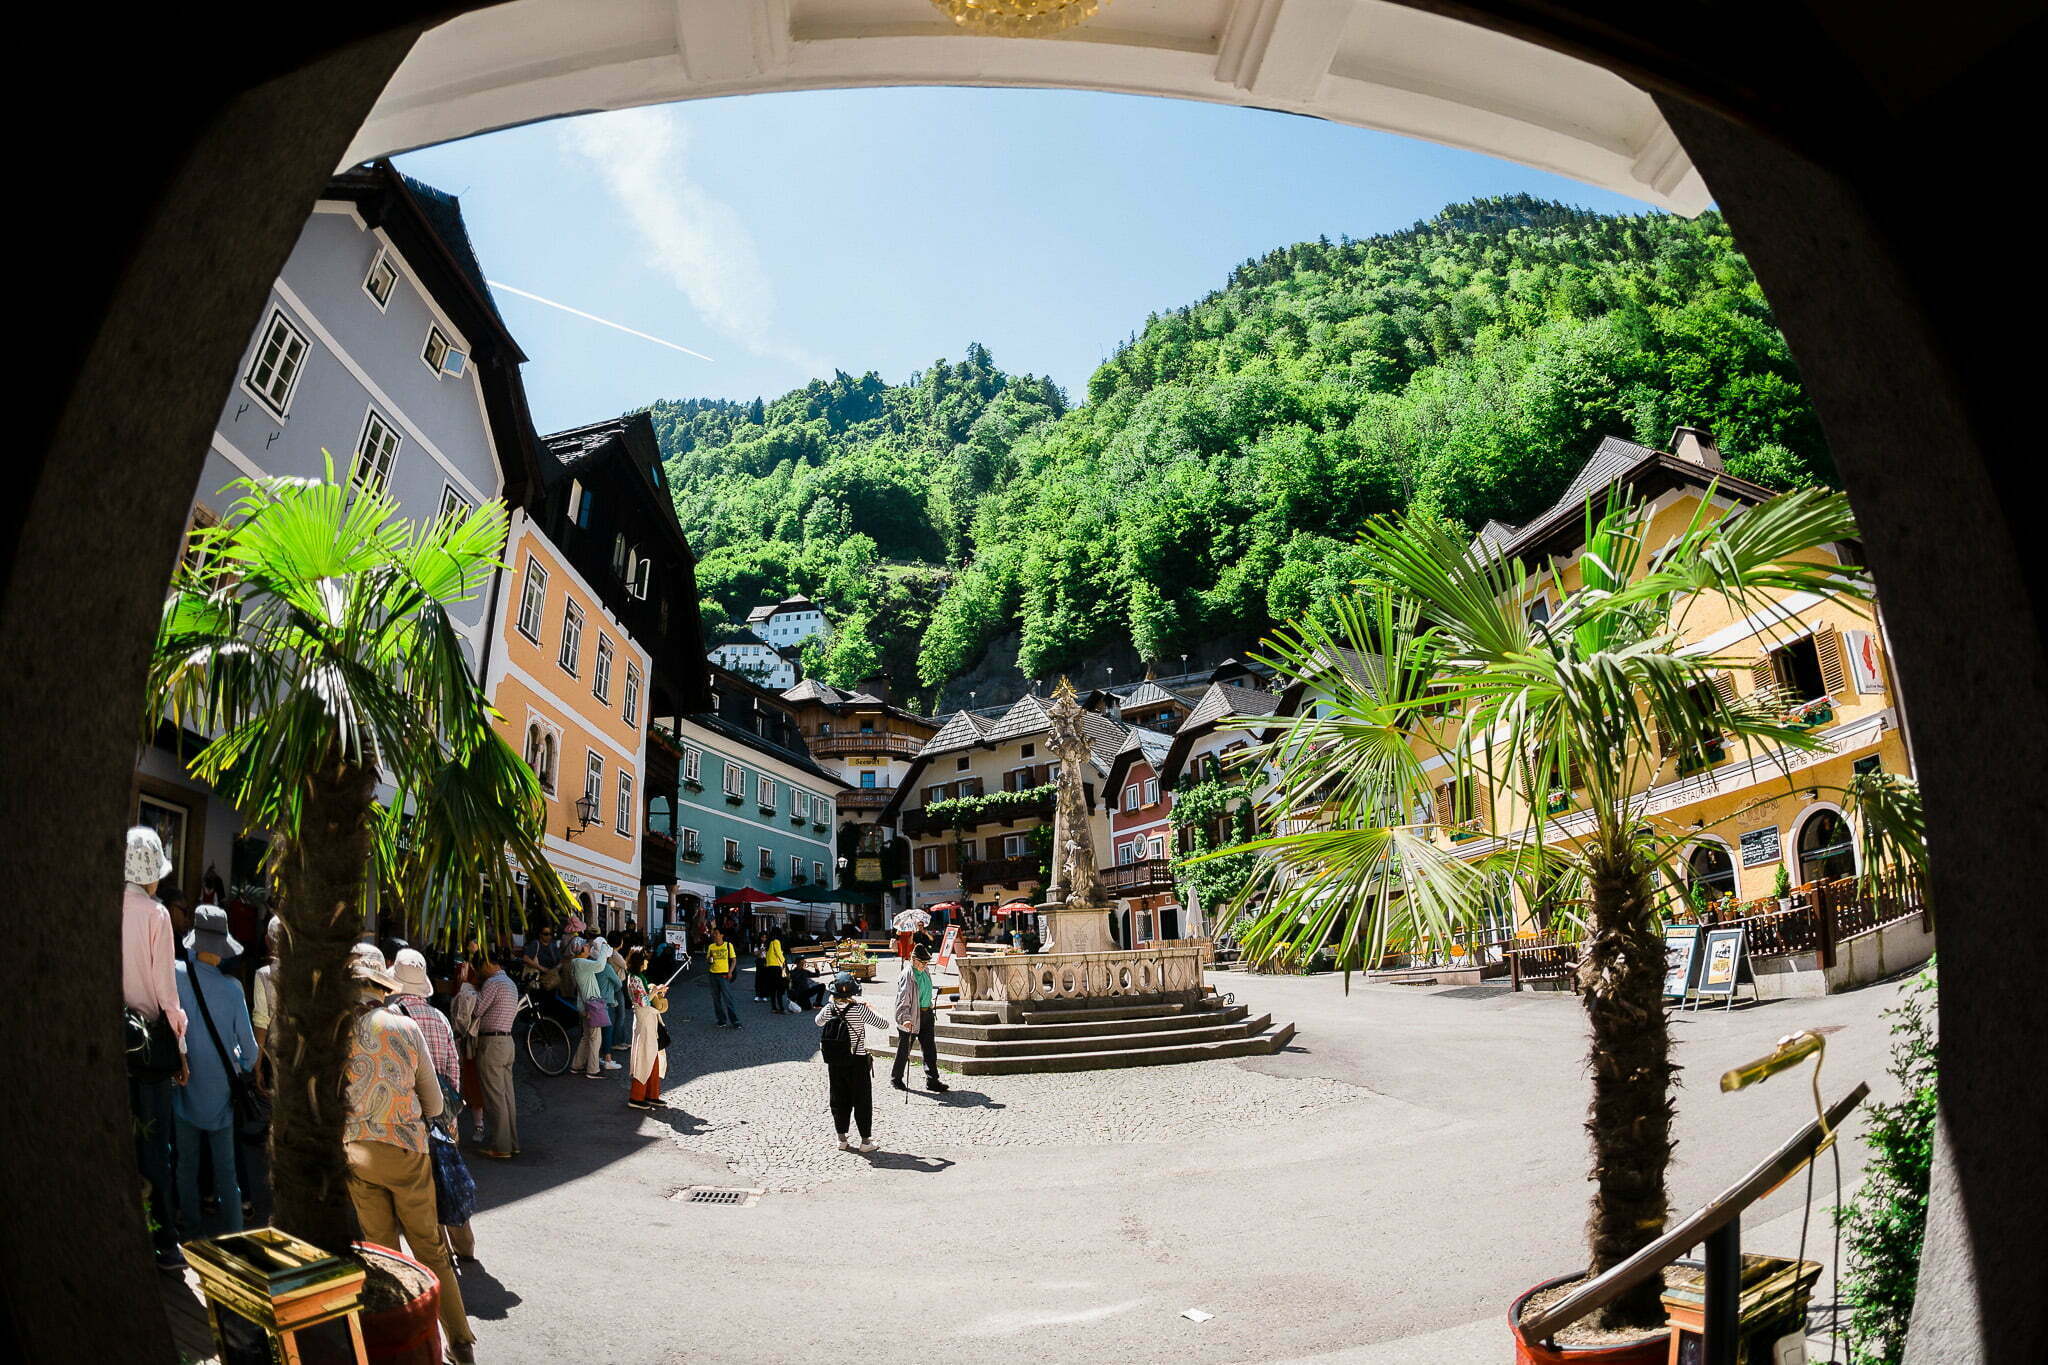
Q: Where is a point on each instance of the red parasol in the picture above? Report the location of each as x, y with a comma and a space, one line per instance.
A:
746, 895
1017, 908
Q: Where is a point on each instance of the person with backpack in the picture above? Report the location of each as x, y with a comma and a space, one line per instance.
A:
843, 1024
719, 959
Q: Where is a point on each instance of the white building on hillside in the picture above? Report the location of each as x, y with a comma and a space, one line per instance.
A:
788, 623
762, 665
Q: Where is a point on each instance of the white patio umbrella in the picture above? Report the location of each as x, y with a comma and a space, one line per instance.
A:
910, 921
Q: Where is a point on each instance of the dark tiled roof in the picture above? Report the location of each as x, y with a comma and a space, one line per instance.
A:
1149, 745
1228, 699
1148, 693
810, 689
444, 211
962, 730
1610, 461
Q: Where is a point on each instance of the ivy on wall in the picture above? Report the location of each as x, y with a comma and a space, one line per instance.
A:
1197, 805
959, 811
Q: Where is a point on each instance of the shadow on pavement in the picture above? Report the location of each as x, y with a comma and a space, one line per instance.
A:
957, 1098
903, 1161
485, 1295
679, 1119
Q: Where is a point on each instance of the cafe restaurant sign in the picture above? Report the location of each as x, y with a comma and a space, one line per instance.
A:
1760, 846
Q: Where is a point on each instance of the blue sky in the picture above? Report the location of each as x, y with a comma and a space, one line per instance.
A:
784, 235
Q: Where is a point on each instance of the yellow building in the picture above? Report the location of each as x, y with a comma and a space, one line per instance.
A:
570, 686
1742, 814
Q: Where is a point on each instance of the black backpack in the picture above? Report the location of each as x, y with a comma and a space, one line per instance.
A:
836, 1042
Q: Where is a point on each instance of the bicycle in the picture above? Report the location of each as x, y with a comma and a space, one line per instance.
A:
545, 1041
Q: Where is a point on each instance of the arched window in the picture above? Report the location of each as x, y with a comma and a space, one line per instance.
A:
547, 763
1713, 871
533, 748
1827, 849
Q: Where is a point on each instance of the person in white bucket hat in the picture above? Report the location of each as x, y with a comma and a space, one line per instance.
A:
149, 987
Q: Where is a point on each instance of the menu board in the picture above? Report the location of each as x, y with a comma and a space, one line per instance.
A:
1722, 966
949, 948
1760, 846
1681, 959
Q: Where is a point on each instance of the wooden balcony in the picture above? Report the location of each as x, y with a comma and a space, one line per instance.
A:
1145, 877
865, 798
878, 743
917, 824
1001, 871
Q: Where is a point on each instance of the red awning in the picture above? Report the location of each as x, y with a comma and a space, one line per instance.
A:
746, 895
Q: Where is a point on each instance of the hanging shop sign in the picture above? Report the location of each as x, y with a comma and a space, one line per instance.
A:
1681, 960
1760, 846
1861, 646
867, 869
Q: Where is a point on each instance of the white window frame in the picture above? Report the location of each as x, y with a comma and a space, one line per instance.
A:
454, 499
765, 794
693, 841
800, 804
427, 357
1131, 796
570, 655
693, 765
1151, 791
533, 598
375, 422
630, 703
928, 861
818, 872
1159, 846
601, 671
625, 810
735, 779
619, 556
593, 777
280, 405
732, 853
765, 862
1015, 846
796, 867
383, 262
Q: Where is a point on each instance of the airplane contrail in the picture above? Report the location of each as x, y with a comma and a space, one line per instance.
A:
607, 322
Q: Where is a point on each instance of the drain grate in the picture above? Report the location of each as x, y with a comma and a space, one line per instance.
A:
709, 1194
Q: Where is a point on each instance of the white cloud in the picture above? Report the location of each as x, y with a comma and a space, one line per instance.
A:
696, 240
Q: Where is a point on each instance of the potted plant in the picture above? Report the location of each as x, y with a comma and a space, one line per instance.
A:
1781, 888
1604, 691
309, 633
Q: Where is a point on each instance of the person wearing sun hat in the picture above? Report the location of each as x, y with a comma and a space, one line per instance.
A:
226, 1046
392, 1094
149, 987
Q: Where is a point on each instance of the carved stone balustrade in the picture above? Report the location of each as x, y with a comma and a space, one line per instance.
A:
1018, 983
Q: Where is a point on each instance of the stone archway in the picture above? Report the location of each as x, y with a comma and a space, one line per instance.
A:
1803, 118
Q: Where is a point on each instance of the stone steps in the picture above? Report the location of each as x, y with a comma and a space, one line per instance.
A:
1079, 1012
1031, 1043
1259, 1045
994, 1032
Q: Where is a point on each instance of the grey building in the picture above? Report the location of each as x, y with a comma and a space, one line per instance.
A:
379, 347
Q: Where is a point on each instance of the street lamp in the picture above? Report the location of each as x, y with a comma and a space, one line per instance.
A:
586, 813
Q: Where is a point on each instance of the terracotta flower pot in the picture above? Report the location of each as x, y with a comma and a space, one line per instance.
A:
1648, 1350
408, 1333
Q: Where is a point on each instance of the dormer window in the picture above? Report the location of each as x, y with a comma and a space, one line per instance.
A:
435, 352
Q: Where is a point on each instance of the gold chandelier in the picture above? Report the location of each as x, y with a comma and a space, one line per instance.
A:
1018, 18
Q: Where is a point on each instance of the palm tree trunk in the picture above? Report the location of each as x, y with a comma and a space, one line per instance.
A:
1622, 980
321, 880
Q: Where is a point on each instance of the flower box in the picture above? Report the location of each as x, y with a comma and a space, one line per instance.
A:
797, 820
731, 865
692, 855
766, 810
689, 785
732, 800
820, 826
1557, 802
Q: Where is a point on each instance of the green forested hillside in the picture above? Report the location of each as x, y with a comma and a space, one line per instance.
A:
1228, 452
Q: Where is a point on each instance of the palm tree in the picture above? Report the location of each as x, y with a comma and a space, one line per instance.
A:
1438, 664
309, 635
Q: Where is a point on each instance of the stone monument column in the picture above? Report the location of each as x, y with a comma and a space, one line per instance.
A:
1076, 907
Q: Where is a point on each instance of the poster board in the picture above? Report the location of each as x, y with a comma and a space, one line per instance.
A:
1681, 959
949, 948
1721, 967
678, 935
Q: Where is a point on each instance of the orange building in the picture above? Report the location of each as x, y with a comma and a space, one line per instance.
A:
571, 688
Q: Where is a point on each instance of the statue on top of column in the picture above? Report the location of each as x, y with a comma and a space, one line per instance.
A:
1075, 880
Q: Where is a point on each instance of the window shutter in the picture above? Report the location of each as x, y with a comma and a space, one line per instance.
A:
1443, 804
1827, 644
1765, 671
1724, 685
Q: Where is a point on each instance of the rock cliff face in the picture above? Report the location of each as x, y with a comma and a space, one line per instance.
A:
995, 681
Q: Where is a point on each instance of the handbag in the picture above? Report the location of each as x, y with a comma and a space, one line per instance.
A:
454, 1187
595, 1013
151, 1046
250, 1106
661, 1035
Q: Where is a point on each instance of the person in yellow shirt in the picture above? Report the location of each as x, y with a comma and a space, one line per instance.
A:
720, 958
774, 975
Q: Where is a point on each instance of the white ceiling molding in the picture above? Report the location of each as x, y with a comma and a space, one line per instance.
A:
1367, 63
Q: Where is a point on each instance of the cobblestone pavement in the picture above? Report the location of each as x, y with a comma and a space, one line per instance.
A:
756, 1098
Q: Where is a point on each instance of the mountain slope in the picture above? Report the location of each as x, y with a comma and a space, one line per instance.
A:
1229, 451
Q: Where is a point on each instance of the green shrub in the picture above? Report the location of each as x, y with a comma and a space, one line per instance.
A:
1886, 1222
